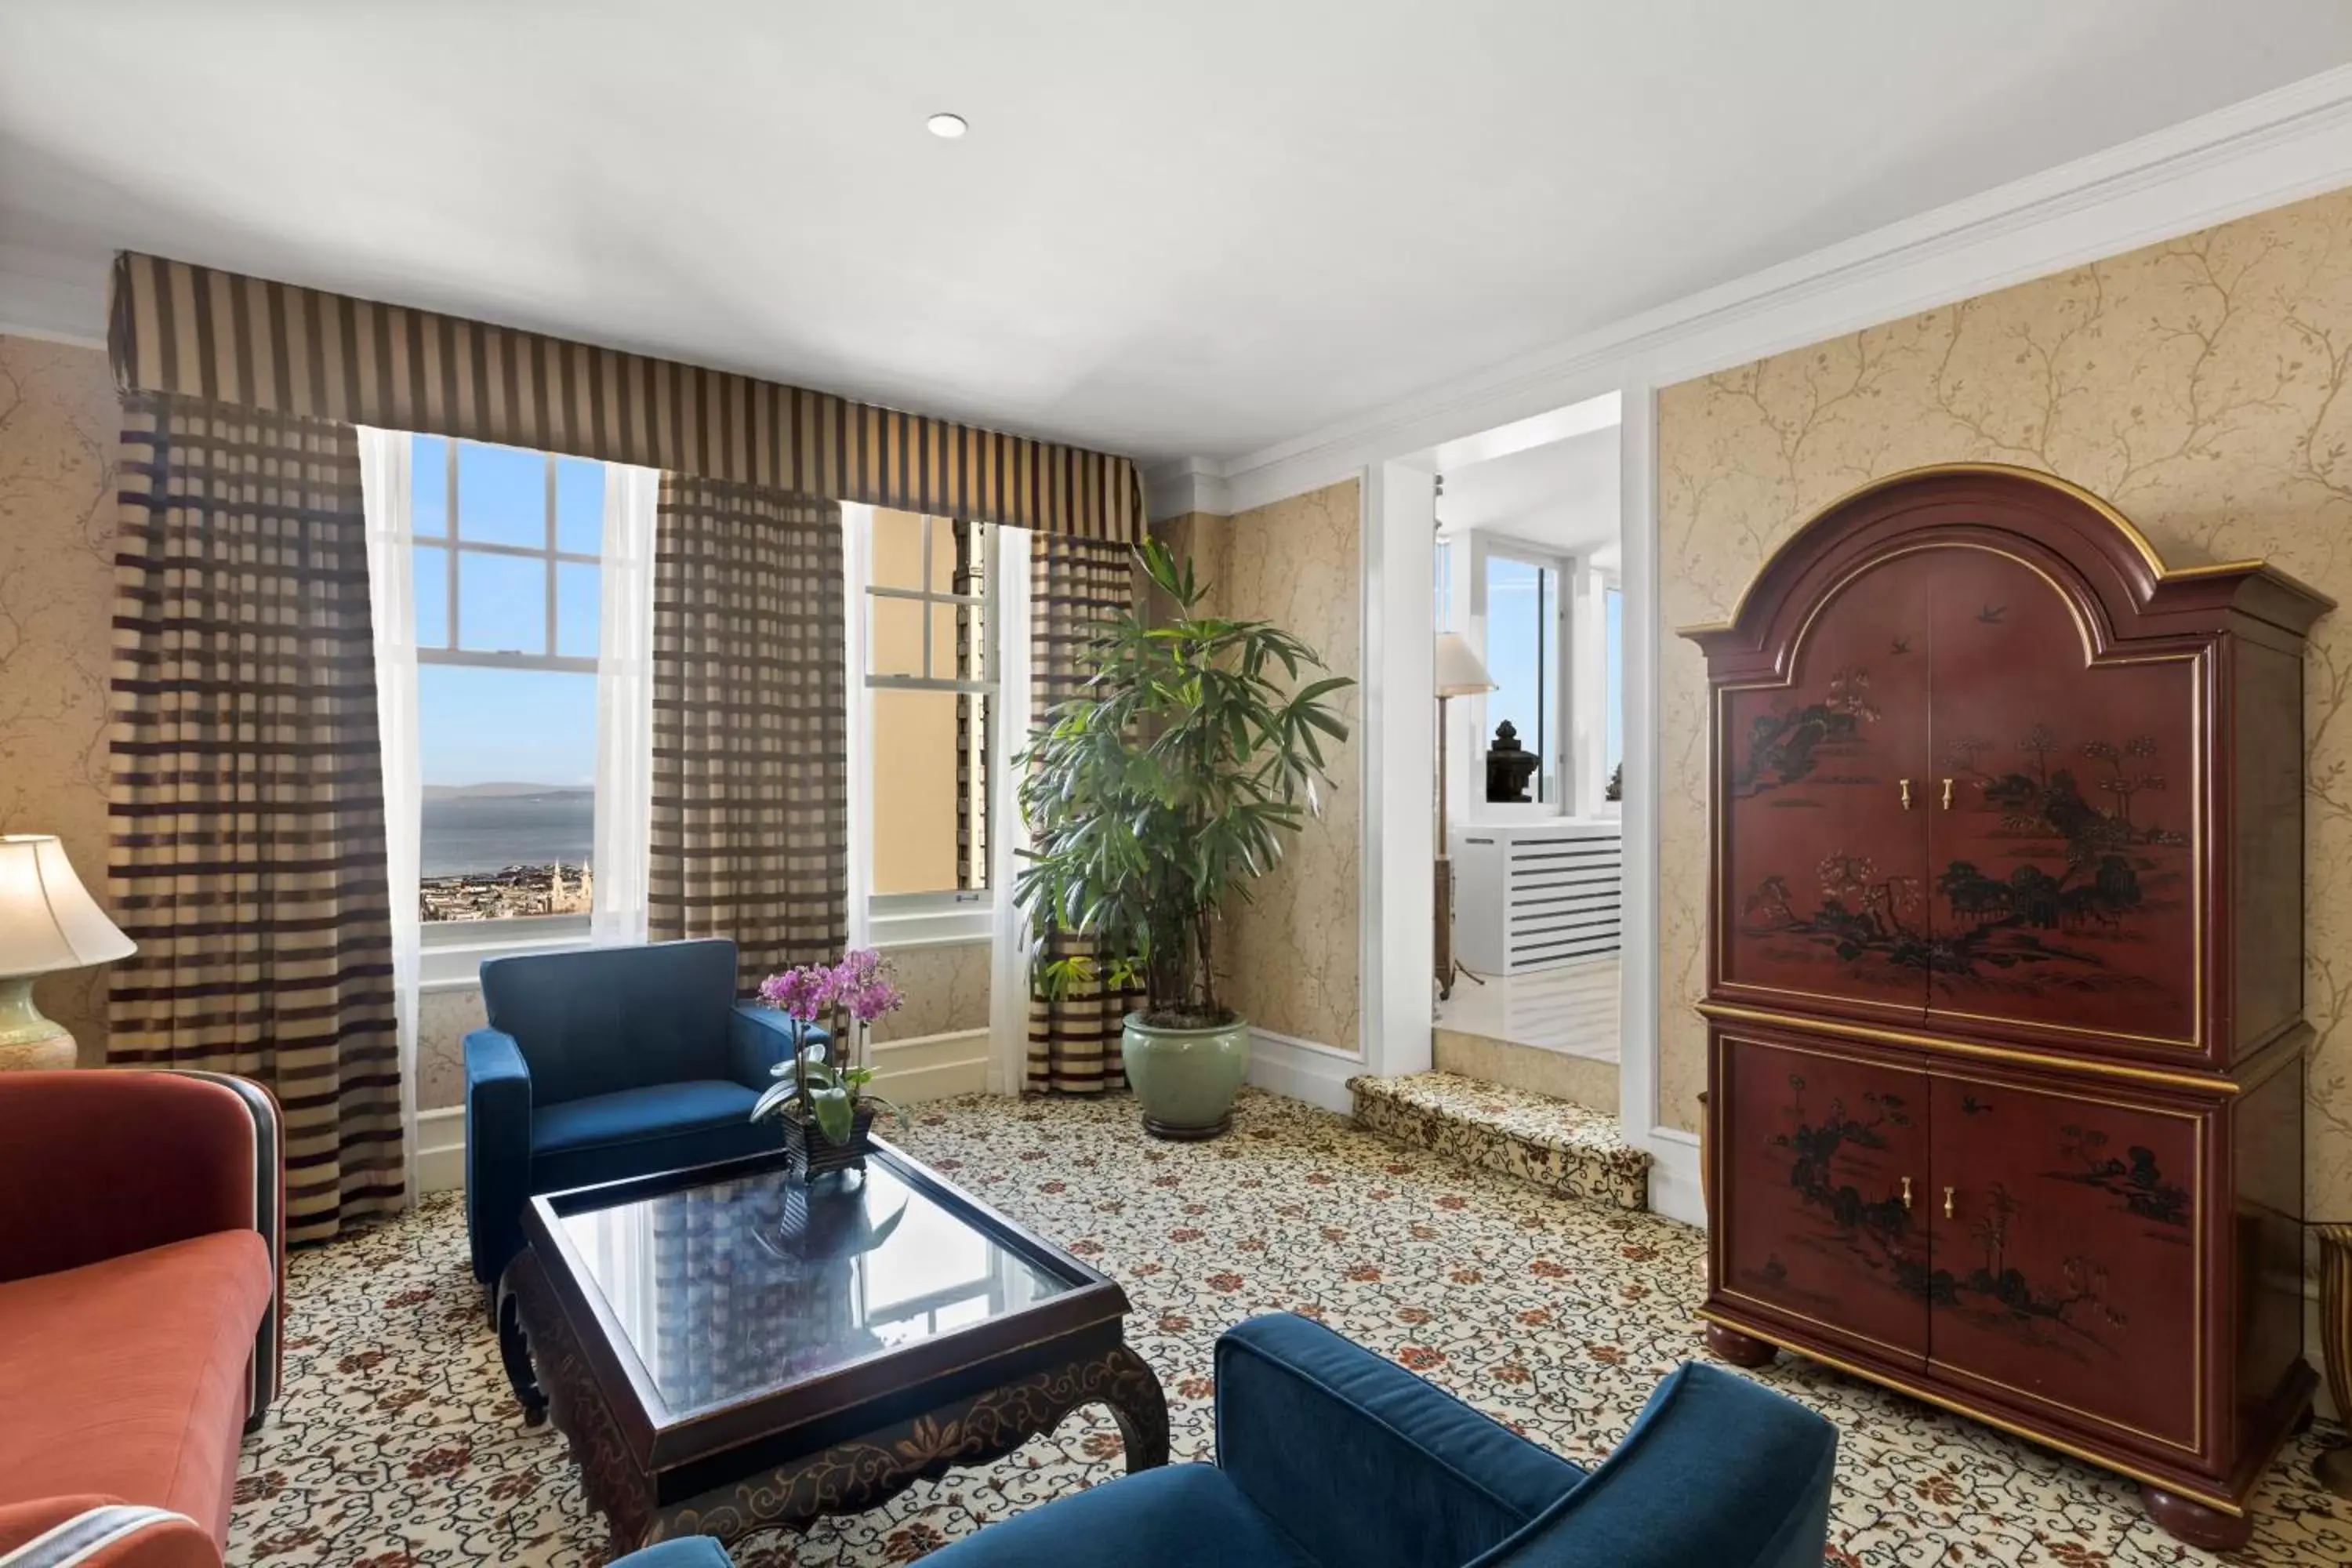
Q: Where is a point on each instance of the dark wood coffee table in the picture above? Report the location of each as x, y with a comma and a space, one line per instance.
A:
727, 1350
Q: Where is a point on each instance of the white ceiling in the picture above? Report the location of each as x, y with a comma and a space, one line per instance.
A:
1561, 494
1175, 229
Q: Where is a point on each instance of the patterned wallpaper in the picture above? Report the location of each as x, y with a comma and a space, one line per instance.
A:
2199, 385
1290, 960
57, 425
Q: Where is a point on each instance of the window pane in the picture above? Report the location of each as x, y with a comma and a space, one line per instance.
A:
1522, 606
894, 635
509, 759
428, 485
944, 556
1443, 572
897, 544
501, 495
579, 506
1613, 673
579, 601
918, 824
501, 602
431, 576
944, 642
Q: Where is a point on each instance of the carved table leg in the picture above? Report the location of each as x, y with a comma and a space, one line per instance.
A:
2194, 1522
1738, 1349
514, 1349
1141, 1407
868, 1471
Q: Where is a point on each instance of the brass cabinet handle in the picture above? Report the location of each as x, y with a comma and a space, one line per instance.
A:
1906, 1191
1906, 793
1947, 1202
1947, 794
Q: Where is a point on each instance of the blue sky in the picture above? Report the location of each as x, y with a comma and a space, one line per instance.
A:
1519, 620
478, 725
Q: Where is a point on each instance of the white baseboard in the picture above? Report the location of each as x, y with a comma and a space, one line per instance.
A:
1675, 1190
1303, 1069
932, 1067
441, 1150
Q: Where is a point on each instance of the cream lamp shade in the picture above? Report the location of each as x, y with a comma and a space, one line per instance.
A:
1459, 672
48, 922
48, 919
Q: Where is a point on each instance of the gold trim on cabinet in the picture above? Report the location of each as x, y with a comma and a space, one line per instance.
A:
1728, 1012
1901, 1385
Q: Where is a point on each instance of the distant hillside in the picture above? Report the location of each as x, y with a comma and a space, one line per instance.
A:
506, 791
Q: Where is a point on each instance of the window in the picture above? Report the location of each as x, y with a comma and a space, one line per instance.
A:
928, 684
1523, 659
1612, 756
1443, 572
508, 594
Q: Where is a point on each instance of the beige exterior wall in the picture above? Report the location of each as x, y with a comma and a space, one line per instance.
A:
1290, 958
2203, 386
58, 424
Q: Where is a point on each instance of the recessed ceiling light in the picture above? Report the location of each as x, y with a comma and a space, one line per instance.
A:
947, 125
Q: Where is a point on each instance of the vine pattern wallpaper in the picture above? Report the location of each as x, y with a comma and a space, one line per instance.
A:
58, 423
2203, 386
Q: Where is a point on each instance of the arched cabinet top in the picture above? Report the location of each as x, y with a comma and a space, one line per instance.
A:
2121, 589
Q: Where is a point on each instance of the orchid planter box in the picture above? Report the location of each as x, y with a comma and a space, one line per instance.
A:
813, 1154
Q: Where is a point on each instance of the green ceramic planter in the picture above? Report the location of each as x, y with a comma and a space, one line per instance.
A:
1185, 1080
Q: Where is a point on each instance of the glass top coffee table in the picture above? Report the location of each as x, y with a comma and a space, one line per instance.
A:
727, 1349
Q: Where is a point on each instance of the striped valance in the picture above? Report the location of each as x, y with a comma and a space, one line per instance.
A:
176, 328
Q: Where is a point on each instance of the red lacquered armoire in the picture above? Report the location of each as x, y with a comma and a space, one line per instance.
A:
2005, 977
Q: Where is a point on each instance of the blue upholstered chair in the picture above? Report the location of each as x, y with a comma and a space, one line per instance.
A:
605, 1064
685, 1551
1329, 1456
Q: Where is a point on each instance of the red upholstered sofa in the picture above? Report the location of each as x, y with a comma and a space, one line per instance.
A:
140, 1272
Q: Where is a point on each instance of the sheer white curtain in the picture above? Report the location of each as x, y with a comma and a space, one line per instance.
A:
392, 605
624, 706
1008, 836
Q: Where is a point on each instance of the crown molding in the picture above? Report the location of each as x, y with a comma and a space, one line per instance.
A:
2261, 152
52, 294
1184, 485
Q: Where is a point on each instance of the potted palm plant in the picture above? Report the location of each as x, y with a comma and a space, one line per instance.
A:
1169, 782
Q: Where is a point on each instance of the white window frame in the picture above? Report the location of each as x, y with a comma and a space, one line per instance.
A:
1486, 544
453, 950
949, 916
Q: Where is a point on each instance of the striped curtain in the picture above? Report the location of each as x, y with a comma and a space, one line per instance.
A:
194, 331
247, 793
750, 770
1074, 585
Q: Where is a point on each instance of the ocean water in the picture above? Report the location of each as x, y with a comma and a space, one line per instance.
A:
474, 834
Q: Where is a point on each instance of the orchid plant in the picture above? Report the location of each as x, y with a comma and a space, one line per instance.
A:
826, 1083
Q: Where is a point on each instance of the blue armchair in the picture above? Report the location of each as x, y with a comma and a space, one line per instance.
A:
1329, 1456
605, 1064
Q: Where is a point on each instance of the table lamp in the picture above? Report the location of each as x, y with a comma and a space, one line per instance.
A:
47, 923
1459, 674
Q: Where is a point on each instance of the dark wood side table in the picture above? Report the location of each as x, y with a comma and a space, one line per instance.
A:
727, 1350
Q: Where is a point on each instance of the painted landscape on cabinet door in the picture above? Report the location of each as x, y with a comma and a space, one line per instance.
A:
1826, 1160
2042, 873
1822, 856
2063, 873
2064, 1271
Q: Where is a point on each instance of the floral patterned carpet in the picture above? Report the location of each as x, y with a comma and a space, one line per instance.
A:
397, 1443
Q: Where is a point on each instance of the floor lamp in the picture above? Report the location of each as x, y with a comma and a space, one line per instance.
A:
1459, 674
